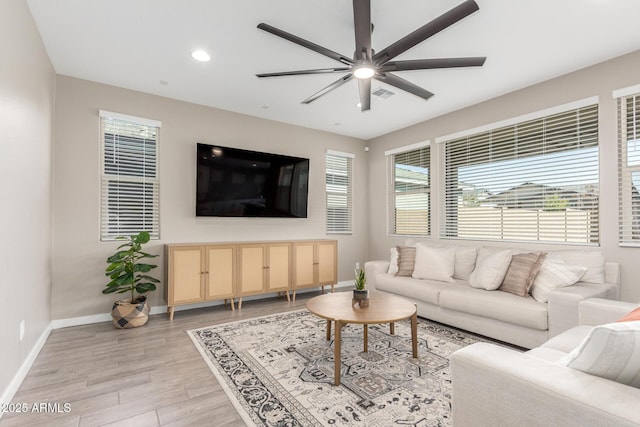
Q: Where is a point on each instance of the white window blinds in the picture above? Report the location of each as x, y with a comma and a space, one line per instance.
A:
532, 181
629, 170
130, 185
339, 188
409, 203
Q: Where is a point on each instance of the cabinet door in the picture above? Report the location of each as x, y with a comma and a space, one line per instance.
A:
251, 269
278, 266
327, 256
221, 268
304, 264
186, 277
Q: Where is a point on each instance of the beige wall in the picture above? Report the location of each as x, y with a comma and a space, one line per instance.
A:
598, 80
79, 256
26, 134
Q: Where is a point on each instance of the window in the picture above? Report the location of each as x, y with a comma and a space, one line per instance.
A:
410, 210
130, 185
629, 169
339, 186
536, 180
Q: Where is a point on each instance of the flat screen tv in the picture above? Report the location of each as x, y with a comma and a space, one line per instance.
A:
241, 183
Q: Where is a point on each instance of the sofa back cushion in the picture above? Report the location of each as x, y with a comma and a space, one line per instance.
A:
465, 262
610, 351
592, 260
435, 263
491, 267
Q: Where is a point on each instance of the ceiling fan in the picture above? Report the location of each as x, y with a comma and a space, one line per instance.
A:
366, 64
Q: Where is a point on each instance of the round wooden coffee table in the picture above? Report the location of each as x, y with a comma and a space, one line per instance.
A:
383, 308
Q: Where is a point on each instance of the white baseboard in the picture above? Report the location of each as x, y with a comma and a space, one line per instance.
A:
159, 309
18, 378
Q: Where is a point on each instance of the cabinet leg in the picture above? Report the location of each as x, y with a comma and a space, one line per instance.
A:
240, 303
233, 306
170, 310
322, 289
288, 298
332, 289
294, 296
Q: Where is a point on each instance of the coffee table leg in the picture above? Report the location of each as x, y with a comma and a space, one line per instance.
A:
365, 334
414, 334
336, 349
328, 330
392, 328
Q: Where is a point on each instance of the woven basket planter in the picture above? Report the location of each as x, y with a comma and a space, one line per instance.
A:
127, 315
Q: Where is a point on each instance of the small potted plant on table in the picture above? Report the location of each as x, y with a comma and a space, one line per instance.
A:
128, 274
360, 293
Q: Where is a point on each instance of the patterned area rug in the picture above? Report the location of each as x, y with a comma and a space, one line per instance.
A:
278, 371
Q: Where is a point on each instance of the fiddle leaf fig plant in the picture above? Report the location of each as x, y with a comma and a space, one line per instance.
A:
127, 272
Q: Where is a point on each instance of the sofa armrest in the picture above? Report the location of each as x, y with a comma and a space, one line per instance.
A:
372, 269
563, 304
598, 311
496, 386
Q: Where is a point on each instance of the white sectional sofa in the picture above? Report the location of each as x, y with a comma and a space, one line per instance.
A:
518, 320
496, 386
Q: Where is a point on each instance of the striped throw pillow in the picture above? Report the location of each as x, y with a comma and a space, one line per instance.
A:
610, 351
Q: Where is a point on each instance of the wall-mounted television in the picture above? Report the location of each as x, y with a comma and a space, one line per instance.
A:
242, 183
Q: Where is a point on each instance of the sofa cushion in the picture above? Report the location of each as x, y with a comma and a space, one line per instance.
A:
521, 273
592, 260
434, 263
610, 351
406, 260
491, 267
497, 305
569, 339
423, 290
555, 273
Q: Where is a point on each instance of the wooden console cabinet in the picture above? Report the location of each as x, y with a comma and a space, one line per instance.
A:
215, 271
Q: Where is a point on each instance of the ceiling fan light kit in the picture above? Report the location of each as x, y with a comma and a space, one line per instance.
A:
367, 65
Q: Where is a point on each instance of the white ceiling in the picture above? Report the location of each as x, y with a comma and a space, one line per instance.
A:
145, 45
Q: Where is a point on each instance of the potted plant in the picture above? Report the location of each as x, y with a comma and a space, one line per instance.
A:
360, 293
128, 275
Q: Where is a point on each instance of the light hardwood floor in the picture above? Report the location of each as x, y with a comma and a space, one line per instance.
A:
148, 376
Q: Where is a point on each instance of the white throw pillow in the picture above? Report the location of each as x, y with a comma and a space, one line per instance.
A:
491, 267
555, 274
435, 263
393, 261
593, 260
465, 262
610, 351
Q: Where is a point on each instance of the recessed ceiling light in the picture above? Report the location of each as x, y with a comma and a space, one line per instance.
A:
200, 55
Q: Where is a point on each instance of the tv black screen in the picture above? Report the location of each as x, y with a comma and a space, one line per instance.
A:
242, 183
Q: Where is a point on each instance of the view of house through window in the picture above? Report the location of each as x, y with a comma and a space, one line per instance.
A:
410, 208
533, 181
629, 169
130, 185
339, 189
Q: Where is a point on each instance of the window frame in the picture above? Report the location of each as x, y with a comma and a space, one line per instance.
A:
140, 177
626, 222
339, 224
585, 137
392, 223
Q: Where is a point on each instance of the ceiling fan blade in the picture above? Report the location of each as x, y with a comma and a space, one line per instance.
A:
400, 83
362, 24
428, 64
305, 43
364, 85
328, 89
421, 34
302, 72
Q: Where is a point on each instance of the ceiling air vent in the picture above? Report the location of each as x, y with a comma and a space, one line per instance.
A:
382, 94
